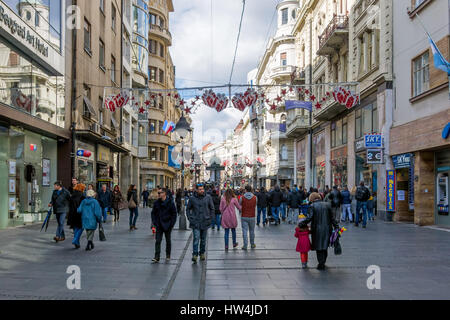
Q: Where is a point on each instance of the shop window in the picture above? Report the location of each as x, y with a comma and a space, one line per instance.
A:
333, 134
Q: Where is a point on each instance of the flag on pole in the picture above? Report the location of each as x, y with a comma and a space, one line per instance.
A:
168, 127
439, 60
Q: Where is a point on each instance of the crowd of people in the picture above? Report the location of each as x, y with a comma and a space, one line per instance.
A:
314, 213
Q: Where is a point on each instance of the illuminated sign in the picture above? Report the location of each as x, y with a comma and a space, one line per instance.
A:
390, 190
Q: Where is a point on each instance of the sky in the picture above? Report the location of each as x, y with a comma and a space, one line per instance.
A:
203, 49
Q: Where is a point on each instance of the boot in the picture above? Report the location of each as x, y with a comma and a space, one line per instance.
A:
304, 265
88, 246
92, 245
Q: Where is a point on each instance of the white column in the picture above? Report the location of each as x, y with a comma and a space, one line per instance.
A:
328, 156
308, 170
295, 161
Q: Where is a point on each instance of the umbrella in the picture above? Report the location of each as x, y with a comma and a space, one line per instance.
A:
47, 220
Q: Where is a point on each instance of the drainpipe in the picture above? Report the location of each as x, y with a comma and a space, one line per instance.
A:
74, 93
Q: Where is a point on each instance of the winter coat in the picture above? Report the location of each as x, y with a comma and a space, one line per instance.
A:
294, 200
303, 242
276, 198
61, 201
133, 194
262, 199
248, 204
91, 213
200, 212
335, 198
362, 194
74, 218
145, 194
104, 198
229, 219
322, 222
346, 197
164, 214
116, 199
216, 201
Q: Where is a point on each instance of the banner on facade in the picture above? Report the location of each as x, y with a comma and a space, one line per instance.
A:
296, 104
173, 162
390, 190
402, 161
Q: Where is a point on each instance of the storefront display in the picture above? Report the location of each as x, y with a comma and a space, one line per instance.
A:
442, 188
85, 163
319, 160
301, 162
339, 167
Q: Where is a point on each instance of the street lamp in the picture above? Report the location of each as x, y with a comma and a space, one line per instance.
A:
182, 131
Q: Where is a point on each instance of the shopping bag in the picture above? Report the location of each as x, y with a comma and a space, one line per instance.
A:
101, 233
337, 247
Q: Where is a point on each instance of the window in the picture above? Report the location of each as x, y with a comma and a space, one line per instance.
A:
152, 153
13, 59
361, 46
102, 55
113, 69
102, 6
152, 18
418, 2
126, 128
152, 73
283, 153
421, 74
374, 118
339, 133
283, 59
344, 131
161, 103
162, 152
161, 50
152, 126
358, 124
37, 18
28, 15
87, 94
161, 76
284, 16
100, 117
333, 134
152, 46
161, 22
87, 36
113, 17
293, 14
366, 120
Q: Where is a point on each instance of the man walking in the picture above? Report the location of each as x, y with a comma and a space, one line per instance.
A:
276, 198
73, 185
362, 195
200, 212
262, 206
104, 198
61, 205
294, 202
248, 203
346, 205
335, 198
164, 216
145, 194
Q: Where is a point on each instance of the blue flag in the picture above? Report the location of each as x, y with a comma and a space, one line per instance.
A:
439, 60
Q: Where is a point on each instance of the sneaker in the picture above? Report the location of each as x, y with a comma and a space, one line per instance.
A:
226, 248
155, 260
194, 259
304, 265
235, 245
364, 227
244, 248
257, 224
202, 257
253, 246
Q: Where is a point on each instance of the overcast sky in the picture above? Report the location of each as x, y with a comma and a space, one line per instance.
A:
203, 50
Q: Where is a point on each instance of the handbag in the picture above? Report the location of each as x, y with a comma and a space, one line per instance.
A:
101, 233
132, 204
337, 248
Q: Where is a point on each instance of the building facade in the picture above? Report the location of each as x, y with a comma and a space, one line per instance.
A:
419, 150
34, 117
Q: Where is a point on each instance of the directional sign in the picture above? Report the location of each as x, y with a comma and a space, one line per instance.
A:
373, 141
374, 156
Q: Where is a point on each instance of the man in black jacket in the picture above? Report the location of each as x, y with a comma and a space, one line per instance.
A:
294, 202
61, 206
276, 198
262, 206
104, 198
335, 198
217, 215
164, 217
362, 195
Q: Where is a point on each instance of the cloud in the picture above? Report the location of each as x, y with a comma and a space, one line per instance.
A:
203, 49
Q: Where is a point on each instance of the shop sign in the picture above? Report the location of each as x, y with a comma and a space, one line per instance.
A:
103, 154
373, 141
360, 145
446, 131
390, 190
402, 161
374, 156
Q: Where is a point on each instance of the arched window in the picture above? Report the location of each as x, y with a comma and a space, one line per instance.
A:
283, 153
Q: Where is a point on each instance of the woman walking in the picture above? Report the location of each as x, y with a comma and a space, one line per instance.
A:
117, 198
228, 206
133, 203
322, 222
91, 216
74, 218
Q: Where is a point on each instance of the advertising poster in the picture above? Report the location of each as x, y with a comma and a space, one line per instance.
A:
12, 185
46, 172
12, 167
390, 190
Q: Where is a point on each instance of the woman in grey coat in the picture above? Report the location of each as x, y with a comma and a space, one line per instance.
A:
322, 222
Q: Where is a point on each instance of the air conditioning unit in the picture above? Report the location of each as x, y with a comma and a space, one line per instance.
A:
120, 140
95, 127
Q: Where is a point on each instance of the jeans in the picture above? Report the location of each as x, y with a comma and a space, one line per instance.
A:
336, 213
276, 213
227, 236
61, 218
293, 215
370, 213
217, 221
159, 237
347, 212
145, 203
104, 213
134, 213
283, 210
248, 224
262, 210
77, 232
116, 214
199, 238
361, 205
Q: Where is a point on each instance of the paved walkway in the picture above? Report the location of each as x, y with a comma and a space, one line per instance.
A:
414, 262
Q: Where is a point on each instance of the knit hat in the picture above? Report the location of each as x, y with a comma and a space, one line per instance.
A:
301, 218
90, 193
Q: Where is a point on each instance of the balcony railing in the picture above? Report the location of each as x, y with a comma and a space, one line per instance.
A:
163, 32
338, 23
282, 71
298, 126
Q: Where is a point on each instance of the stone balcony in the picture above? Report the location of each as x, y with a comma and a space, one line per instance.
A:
298, 126
334, 36
161, 32
282, 72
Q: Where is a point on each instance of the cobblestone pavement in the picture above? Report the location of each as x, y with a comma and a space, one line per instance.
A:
414, 263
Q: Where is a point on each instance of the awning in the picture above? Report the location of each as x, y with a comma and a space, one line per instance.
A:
89, 105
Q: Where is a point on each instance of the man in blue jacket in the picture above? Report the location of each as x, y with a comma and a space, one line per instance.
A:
104, 198
164, 217
346, 205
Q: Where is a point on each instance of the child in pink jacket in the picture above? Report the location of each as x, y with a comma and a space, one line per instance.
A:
303, 242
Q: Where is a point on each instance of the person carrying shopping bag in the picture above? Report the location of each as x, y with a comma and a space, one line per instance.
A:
91, 216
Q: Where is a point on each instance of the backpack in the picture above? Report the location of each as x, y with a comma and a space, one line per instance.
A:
362, 194
335, 201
